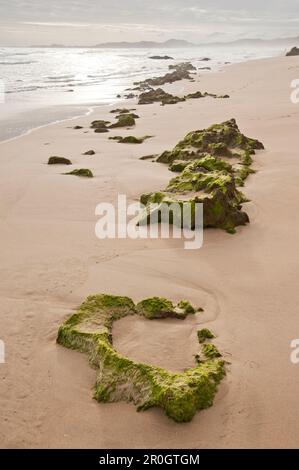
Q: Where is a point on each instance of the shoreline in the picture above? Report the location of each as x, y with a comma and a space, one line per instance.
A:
121, 101
52, 261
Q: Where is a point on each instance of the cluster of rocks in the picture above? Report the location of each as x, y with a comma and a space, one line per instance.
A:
293, 52
158, 95
125, 118
161, 57
211, 164
130, 139
179, 72
83, 172
119, 378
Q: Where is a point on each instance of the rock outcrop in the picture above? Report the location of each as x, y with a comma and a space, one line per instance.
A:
158, 96
211, 164
83, 172
119, 378
59, 161
293, 52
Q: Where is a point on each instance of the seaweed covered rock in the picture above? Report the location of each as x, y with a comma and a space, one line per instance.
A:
211, 164
158, 96
84, 172
180, 72
204, 334
210, 351
122, 111
59, 161
124, 120
119, 378
219, 139
293, 52
158, 307
161, 57
130, 139
100, 125
199, 94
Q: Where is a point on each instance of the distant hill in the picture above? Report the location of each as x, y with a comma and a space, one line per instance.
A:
171, 43
258, 42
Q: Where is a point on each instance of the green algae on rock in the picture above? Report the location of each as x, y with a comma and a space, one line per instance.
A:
158, 96
199, 94
99, 124
84, 172
122, 111
130, 139
119, 378
158, 307
59, 161
204, 334
211, 164
124, 120
210, 351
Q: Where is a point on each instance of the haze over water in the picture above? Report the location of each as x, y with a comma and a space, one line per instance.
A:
43, 85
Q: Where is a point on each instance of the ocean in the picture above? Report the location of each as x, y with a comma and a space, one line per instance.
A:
39, 86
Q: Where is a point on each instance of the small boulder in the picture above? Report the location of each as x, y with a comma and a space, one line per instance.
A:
293, 52
89, 152
84, 172
123, 120
59, 161
161, 57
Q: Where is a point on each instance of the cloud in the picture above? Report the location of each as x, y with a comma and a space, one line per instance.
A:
195, 20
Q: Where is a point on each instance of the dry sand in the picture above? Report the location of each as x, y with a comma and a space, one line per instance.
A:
50, 260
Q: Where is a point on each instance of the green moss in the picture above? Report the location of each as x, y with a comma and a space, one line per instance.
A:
204, 334
99, 124
181, 395
210, 351
84, 172
157, 307
178, 166
130, 139
206, 176
59, 161
186, 306
121, 111
124, 120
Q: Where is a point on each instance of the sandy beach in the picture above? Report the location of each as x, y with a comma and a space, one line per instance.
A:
50, 260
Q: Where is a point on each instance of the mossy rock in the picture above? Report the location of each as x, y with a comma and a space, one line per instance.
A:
210, 351
124, 120
59, 161
84, 172
218, 140
178, 166
204, 334
119, 378
130, 139
207, 177
121, 111
133, 115
101, 130
158, 96
99, 124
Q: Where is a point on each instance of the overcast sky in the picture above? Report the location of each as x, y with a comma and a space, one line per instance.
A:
88, 22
